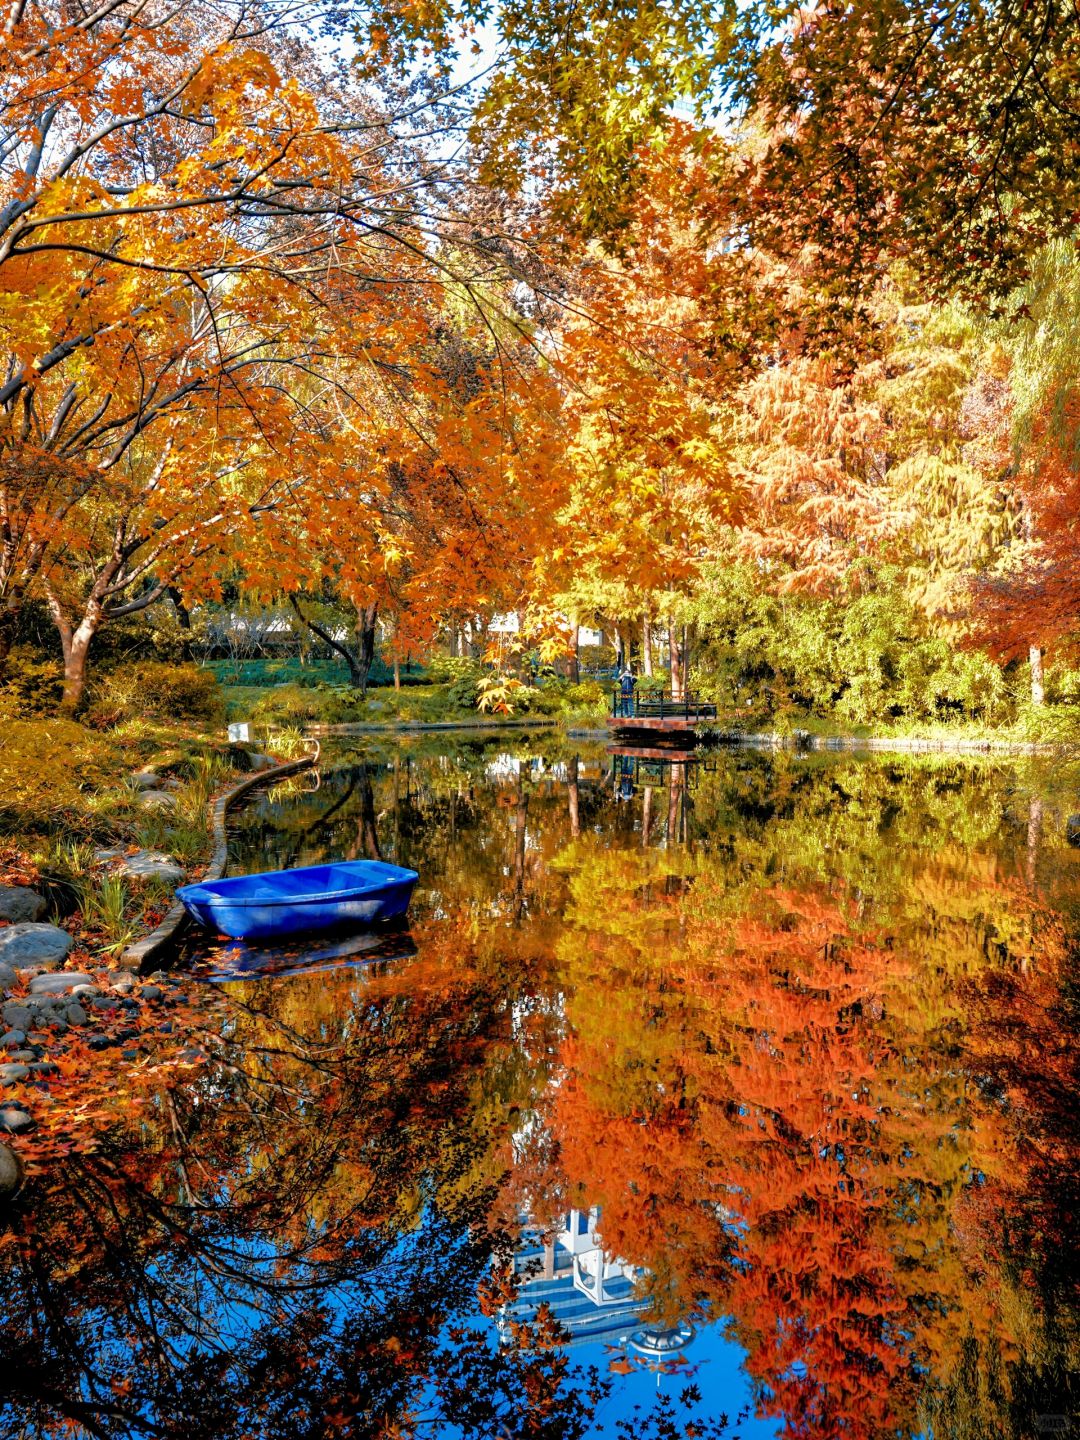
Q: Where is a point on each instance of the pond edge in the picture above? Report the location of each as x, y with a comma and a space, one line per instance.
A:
137, 954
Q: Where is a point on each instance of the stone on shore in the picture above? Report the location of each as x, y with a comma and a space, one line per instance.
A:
43, 946
157, 800
59, 983
15, 1119
11, 1173
259, 761
17, 1016
13, 1072
146, 779
7, 977
20, 903
144, 865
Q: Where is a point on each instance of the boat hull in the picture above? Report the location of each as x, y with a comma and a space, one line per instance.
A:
351, 895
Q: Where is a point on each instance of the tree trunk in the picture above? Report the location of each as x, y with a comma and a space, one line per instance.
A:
75, 641
183, 618
677, 659
575, 652
366, 616
1034, 837
623, 642
355, 678
75, 670
519, 850
1038, 689
397, 671
573, 799
646, 646
367, 830
9, 620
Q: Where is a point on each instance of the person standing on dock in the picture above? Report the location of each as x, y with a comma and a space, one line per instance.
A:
626, 691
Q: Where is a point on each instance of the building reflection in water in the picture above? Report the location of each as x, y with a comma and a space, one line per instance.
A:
592, 1295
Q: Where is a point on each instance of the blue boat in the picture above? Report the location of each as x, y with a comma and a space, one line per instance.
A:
294, 902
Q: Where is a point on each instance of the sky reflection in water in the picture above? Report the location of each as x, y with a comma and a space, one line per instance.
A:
767, 1061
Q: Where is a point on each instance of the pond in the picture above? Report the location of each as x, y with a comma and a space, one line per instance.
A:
723, 1095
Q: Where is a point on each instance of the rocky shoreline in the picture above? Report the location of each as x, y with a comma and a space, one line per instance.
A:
56, 1020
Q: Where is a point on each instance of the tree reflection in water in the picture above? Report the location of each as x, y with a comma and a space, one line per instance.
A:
797, 1035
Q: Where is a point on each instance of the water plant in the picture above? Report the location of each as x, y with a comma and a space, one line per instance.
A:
105, 908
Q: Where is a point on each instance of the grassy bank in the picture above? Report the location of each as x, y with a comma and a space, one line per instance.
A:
293, 706
1040, 725
587, 706
68, 793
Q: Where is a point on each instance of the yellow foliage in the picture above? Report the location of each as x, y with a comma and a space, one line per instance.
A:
46, 766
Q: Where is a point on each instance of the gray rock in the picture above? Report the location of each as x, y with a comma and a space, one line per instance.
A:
22, 1056
123, 983
12, 1040
10, 1074
60, 983
260, 762
44, 1067
145, 865
15, 1119
99, 1042
104, 1002
19, 902
16, 1015
152, 992
43, 946
157, 800
146, 779
85, 992
75, 1015
7, 976
11, 1173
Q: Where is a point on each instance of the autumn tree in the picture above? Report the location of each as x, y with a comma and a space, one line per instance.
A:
649, 368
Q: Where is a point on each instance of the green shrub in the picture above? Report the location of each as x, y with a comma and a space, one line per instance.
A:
461, 675
47, 769
865, 657
149, 687
30, 684
324, 670
292, 706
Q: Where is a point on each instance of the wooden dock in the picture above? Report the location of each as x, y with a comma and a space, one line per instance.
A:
656, 713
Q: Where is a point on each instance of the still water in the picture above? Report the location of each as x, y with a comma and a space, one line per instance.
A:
734, 1096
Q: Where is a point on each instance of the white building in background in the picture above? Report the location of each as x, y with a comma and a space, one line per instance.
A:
510, 624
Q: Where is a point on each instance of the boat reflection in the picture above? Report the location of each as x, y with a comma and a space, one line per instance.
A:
225, 960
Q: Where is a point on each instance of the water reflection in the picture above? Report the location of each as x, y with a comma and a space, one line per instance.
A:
748, 1077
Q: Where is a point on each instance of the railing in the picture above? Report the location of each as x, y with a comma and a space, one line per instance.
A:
660, 705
